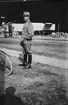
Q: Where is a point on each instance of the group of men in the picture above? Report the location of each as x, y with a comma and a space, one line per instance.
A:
9, 26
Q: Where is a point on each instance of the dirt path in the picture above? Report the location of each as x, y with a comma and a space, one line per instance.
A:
41, 59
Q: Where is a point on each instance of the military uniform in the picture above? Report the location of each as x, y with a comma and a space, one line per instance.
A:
27, 34
5, 28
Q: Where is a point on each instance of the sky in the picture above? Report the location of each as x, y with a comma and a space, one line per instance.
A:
40, 11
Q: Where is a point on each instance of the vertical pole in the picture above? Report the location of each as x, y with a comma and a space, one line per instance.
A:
58, 30
58, 27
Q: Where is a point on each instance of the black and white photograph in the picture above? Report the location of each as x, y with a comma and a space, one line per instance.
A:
34, 52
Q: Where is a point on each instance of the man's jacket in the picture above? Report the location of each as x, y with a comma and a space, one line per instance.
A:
27, 31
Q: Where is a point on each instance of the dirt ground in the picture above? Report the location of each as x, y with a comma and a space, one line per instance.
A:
42, 84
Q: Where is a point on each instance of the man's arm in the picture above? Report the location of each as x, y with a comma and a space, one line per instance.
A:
29, 34
24, 33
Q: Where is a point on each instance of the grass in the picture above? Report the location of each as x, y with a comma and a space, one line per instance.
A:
52, 93
41, 85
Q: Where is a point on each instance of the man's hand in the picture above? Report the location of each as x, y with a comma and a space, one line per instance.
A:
28, 36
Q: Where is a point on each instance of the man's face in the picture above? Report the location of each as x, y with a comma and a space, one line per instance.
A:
26, 18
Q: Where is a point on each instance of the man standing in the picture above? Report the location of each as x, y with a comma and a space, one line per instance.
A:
27, 34
10, 29
4, 25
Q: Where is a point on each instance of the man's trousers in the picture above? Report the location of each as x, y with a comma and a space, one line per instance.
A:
27, 51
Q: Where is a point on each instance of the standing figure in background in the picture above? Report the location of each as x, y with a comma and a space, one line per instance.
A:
10, 29
5, 29
27, 34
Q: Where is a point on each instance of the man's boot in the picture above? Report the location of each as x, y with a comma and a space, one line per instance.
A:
29, 61
5, 35
25, 60
9, 34
24, 63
